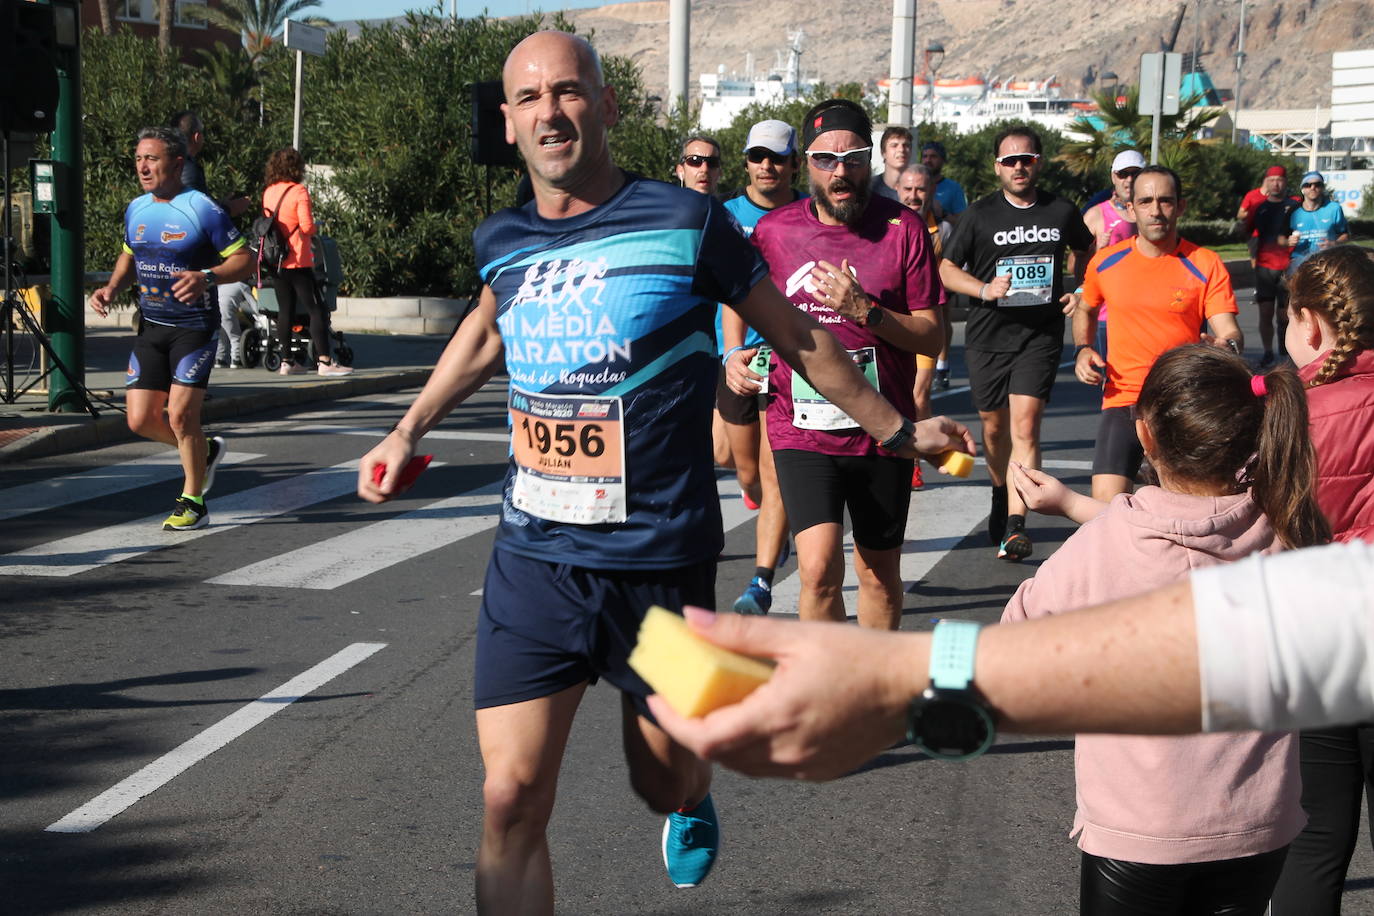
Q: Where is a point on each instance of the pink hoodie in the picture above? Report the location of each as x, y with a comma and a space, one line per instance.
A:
1166, 801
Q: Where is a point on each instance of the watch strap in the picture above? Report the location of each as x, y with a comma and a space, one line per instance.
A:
953, 649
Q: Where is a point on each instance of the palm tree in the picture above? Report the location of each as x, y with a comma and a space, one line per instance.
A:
231, 72
261, 21
1119, 124
164, 25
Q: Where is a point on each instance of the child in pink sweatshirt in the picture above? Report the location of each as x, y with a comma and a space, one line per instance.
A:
1198, 824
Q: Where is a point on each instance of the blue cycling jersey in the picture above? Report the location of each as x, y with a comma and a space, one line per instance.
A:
188, 232
1324, 224
606, 320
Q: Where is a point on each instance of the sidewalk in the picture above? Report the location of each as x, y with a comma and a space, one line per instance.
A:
382, 362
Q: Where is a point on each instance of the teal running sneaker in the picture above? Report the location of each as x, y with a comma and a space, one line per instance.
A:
691, 840
757, 598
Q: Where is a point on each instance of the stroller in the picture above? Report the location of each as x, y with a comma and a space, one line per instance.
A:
260, 338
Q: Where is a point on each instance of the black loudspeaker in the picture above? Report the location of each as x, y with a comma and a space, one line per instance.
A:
28, 76
489, 146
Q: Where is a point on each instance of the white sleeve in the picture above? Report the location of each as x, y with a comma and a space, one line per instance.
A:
1285, 641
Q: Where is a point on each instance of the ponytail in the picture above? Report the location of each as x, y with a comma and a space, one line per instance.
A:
1283, 471
1216, 423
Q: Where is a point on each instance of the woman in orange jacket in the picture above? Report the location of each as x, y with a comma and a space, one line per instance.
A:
295, 281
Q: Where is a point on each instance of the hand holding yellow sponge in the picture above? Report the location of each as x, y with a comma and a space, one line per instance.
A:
955, 462
691, 674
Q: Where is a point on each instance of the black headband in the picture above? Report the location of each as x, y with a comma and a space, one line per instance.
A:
835, 114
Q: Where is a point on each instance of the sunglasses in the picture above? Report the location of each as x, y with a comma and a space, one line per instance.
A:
1026, 159
757, 155
1315, 184
697, 162
852, 159
1128, 173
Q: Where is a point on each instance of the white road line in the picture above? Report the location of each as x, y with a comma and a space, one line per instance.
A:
1067, 464
163, 770
377, 432
97, 482
363, 551
82, 552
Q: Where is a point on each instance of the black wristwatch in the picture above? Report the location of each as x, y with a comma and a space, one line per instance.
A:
950, 720
874, 317
210, 278
1233, 345
902, 436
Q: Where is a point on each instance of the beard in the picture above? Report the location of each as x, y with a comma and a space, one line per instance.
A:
847, 212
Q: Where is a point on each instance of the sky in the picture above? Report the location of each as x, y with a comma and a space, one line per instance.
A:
340, 10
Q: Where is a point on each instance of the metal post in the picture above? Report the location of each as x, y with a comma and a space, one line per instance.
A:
296, 126
65, 319
679, 45
1240, 65
899, 85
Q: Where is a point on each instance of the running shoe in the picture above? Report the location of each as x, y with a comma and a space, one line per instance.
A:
691, 840
748, 503
757, 598
189, 514
917, 481
292, 369
1267, 359
214, 454
334, 369
997, 518
1015, 547
942, 379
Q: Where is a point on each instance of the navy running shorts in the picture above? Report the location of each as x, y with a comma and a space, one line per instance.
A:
164, 354
544, 627
994, 376
876, 489
1118, 447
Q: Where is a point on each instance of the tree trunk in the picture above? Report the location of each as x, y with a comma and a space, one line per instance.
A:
164, 24
106, 17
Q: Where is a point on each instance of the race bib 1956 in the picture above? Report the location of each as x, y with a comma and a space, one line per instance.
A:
570, 457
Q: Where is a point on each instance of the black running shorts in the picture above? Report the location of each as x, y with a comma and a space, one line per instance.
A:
1269, 284
994, 376
818, 488
1118, 448
544, 627
164, 354
738, 409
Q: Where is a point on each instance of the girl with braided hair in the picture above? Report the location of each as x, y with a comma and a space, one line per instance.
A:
1331, 339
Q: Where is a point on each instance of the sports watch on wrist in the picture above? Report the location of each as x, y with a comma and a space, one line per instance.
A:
210, 278
901, 437
950, 720
874, 317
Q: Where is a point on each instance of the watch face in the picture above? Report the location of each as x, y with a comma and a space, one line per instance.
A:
951, 725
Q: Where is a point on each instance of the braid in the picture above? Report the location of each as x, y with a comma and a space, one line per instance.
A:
1338, 285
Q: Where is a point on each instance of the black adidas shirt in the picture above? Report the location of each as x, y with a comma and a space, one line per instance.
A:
992, 237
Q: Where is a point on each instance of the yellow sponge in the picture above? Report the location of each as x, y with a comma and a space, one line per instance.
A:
693, 675
955, 462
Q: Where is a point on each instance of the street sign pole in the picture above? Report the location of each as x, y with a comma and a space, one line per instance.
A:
303, 39
1161, 78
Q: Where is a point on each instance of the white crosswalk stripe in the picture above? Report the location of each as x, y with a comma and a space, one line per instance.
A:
97, 482
337, 561
82, 552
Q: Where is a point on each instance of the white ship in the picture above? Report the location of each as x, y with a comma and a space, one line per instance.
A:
972, 103
724, 97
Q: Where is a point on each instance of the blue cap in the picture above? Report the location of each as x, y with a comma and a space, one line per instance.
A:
1313, 176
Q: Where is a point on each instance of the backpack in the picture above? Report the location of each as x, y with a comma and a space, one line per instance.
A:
267, 242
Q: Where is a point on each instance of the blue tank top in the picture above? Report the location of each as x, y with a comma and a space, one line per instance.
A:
607, 323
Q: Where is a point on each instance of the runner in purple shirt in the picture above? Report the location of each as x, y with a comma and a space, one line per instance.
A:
861, 266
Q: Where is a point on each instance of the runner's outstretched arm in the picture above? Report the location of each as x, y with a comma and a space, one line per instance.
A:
472, 356
808, 347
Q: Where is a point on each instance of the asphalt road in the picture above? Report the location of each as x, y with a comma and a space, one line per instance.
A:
142, 773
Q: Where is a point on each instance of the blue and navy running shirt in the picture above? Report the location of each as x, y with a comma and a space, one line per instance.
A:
188, 232
620, 302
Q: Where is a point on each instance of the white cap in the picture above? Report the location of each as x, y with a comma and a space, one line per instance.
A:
1128, 159
777, 136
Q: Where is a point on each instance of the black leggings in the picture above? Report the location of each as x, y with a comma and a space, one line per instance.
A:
297, 285
1226, 887
1337, 779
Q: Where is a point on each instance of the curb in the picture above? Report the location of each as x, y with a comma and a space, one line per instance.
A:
108, 430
